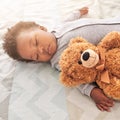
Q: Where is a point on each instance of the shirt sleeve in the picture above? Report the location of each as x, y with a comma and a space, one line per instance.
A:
73, 16
86, 88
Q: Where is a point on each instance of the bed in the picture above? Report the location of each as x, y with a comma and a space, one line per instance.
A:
30, 91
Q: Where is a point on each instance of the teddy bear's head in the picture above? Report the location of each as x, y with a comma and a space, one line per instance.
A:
78, 62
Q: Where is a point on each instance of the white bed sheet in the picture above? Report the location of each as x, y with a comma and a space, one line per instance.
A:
32, 91
37, 94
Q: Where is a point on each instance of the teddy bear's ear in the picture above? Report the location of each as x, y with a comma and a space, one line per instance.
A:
77, 40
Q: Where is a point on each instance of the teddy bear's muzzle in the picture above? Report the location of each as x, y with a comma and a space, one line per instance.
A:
89, 58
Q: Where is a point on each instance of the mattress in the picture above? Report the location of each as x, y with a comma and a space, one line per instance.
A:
31, 91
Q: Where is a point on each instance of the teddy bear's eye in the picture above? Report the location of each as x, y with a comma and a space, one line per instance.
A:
79, 62
81, 52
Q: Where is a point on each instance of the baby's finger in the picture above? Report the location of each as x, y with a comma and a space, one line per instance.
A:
99, 107
108, 103
105, 108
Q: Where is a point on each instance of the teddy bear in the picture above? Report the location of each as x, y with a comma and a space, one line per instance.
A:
83, 62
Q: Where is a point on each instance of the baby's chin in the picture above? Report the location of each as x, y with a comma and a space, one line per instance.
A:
49, 58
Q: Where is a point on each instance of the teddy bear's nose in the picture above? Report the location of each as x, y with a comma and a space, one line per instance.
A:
86, 56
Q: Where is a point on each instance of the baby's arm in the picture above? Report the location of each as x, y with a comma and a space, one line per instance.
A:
102, 102
76, 14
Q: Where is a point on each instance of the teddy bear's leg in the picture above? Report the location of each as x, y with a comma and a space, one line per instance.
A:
111, 90
111, 40
113, 93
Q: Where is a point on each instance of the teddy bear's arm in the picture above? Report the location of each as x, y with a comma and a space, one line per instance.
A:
111, 40
67, 81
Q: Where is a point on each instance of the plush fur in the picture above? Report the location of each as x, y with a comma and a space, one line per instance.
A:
82, 62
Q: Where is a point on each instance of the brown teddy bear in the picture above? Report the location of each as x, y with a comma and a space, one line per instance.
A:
82, 62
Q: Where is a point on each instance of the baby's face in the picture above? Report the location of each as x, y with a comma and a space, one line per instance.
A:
37, 45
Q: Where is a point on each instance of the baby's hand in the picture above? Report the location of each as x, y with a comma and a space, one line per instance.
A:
102, 102
83, 10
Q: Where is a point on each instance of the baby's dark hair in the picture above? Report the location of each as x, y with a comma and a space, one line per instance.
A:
10, 38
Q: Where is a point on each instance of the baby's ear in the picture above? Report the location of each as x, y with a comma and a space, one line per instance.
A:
77, 40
